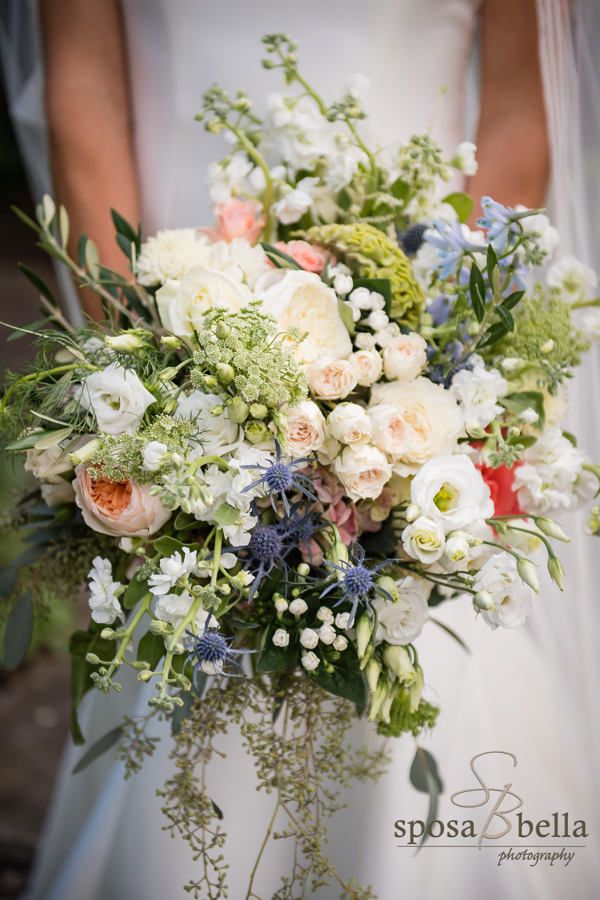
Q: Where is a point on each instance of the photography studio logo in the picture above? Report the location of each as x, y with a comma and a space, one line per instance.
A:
494, 818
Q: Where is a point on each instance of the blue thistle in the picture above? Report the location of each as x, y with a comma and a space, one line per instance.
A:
357, 580
279, 478
209, 652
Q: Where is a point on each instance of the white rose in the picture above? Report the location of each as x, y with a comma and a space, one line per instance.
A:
328, 451
363, 470
327, 633
402, 622
413, 422
153, 455
349, 424
367, 364
424, 540
215, 434
183, 305
117, 398
477, 392
303, 300
305, 428
331, 379
451, 491
405, 357
513, 599
49, 464
310, 661
281, 638
309, 638
53, 494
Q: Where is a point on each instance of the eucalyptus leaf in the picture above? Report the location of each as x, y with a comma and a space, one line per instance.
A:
99, 748
38, 282
53, 438
18, 632
461, 203
8, 580
347, 317
25, 218
424, 777
92, 259
492, 262
63, 223
495, 334
81, 249
218, 812
307, 890
29, 441
506, 318
512, 299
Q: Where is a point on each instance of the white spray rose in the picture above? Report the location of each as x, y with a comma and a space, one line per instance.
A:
402, 622
451, 491
367, 364
349, 423
331, 379
183, 305
363, 470
117, 398
405, 357
513, 599
303, 300
424, 540
305, 428
413, 422
477, 392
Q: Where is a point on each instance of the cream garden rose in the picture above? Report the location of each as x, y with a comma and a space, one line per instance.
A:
349, 423
414, 422
118, 508
363, 470
183, 304
305, 428
117, 398
331, 379
368, 366
405, 357
302, 299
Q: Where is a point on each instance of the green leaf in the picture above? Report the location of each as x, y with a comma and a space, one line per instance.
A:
8, 580
185, 521
512, 299
272, 251
151, 649
17, 635
521, 400
92, 259
477, 291
307, 890
400, 190
167, 546
63, 224
38, 282
492, 262
124, 244
125, 230
25, 218
29, 441
347, 318
424, 777
135, 591
272, 658
81, 249
462, 204
99, 748
452, 633
570, 437
218, 812
52, 438
27, 329
382, 286
506, 318
346, 680
495, 334
226, 514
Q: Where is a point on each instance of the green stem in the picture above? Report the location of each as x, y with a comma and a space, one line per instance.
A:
189, 618
204, 460
260, 161
37, 376
216, 558
143, 609
580, 304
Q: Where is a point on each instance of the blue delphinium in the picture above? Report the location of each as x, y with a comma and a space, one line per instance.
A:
279, 477
357, 580
450, 243
210, 651
500, 222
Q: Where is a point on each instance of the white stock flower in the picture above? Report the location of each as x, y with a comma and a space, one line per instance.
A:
591, 325
244, 466
478, 390
403, 621
153, 455
183, 304
343, 164
363, 470
309, 638
361, 298
239, 534
451, 491
305, 428
377, 320
297, 128
358, 86
575, 280
513, 599
301, 299
173, 608
293, 204
281, 638
464, 158
413, 422
216, 435
552, 475
103, 601
330, 378
327, 633
546, 235
117, 398
310, 661
349, 423
405, 357
424, 540
172, 569
170, 254
368, 366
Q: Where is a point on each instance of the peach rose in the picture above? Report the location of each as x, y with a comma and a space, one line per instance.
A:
237, 220
405, 357
312, 259
331, 379
117, 507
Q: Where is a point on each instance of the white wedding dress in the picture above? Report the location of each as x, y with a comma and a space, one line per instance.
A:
519, 691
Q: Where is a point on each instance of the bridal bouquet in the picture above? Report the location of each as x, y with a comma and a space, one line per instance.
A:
297, 432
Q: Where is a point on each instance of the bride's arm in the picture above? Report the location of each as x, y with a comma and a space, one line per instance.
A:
512, 138
90, 122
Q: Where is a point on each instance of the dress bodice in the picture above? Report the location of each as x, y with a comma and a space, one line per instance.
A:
410, 49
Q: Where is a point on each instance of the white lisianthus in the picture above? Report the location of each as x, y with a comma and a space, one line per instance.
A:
172, 568
363, 470
512, 598
305, 428
552, 475
457, 549
413, 422
301, 299
153, 455
104, 592
424, 540
281, 638
403, 621
310, 661
117, 398
575, 280
367, 364
327, 633
451, 491
349, 423
309, 638
54, 494
464, 158
182, 305
331, 379
170, 254
216, 435
405, 357
478, 390
48, 464
342, 620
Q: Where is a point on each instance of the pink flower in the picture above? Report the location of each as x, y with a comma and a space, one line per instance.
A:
117, 507
237, 219
312, 259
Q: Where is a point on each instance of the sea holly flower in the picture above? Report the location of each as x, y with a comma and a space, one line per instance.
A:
279, 477
209, 652
356, 581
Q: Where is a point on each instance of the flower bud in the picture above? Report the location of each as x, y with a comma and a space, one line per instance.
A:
364, 630
388, 585
280, 605
413, 512
156, 626
398, 661
372, 672
256, 432
237, 411
513, 432
125, 341
168, 374
216, 411
210, 382
225, 373
338, 553
551, 528
222, 330
483, 600
107, 634
298, 607
146, 675
475, 431
303, 569
171, 342
85, 453
415, 690
548, 347
528, 573
92, 659
377, 698
556, 571
259, 411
